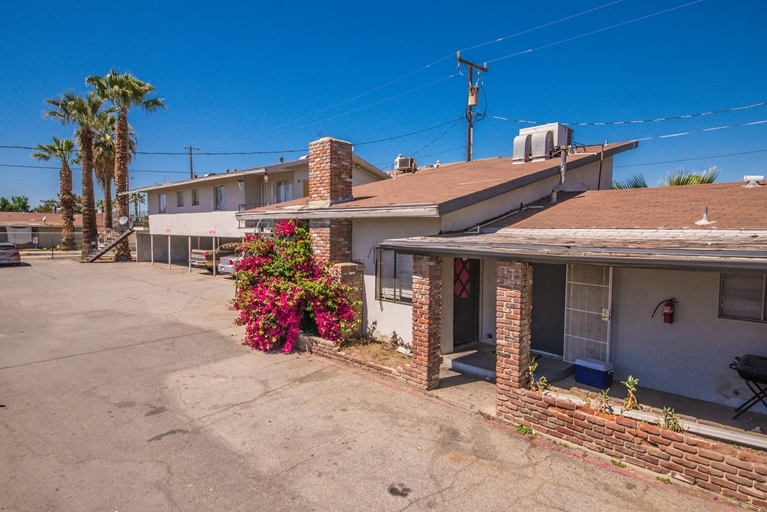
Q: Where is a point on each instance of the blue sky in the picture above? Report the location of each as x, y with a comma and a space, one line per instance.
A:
261, 76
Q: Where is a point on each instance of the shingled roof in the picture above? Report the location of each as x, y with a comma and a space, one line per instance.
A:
645, 227
437, 191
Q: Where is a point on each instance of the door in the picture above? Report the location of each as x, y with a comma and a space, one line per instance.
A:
465, 301
547, 329
588, 296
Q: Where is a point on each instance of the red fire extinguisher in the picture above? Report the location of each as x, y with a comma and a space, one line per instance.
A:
668, 310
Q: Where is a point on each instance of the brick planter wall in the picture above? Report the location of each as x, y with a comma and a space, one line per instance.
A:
721, 468
325, 348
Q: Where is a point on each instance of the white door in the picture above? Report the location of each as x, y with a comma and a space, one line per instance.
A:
588, 297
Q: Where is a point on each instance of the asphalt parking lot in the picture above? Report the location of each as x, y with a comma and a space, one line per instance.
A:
126, 388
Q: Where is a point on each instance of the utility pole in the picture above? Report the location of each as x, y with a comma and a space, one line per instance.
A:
472, 102
191, 167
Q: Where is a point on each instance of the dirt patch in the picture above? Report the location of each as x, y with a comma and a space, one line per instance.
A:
379, 353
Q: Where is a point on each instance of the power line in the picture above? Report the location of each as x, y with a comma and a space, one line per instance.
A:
639, 121
427, 66
594, 32
75, 168
439, 137
680, 134
406, 134
692, 159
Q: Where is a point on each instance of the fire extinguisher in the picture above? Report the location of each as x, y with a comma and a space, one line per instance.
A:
668, 310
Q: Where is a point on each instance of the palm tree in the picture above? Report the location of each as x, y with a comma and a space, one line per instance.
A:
84, 112
673, 179
104, 158
683, 177
636, 181
124, 91
137, 199
62, 150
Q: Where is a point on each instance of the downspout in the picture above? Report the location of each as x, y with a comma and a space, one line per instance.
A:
562, 171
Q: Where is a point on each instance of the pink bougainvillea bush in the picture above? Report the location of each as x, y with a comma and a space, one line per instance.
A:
283, 290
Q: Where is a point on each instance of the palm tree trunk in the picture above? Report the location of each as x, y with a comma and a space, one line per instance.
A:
90, 229
108, 203
122, 250
67, 201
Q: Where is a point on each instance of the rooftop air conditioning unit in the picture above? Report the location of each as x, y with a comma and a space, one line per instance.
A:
562, 135
404, 163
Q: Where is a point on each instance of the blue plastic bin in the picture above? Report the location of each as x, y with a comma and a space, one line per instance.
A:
594, 373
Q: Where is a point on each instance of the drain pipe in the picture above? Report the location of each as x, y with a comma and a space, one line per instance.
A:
562, 170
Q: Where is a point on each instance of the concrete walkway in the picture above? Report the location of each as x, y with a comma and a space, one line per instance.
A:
126, 388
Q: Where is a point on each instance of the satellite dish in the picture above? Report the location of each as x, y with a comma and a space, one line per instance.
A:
123, 221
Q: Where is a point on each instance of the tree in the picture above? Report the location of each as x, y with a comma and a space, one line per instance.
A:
682, 177
104, 159
124, 91
136, 199
16, 204
83, 112
672, 179
47, 206
636, 181
62, 150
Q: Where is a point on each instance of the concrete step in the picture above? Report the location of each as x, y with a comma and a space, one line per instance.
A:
479, 359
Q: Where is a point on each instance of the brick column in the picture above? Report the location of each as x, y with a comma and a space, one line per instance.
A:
331, 239
513, 314
423, 371
350, 274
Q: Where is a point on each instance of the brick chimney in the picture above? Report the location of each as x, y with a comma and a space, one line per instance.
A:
330, 182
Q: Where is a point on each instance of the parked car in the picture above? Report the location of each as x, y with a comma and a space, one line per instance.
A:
9, 254
203, 258
227, 264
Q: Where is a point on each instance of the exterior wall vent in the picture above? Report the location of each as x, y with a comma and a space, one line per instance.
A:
523, 149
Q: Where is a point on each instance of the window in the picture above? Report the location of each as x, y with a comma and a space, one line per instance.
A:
163, 204
742, 296
284, 191
195, 197
180, 198
394, 276
219, 193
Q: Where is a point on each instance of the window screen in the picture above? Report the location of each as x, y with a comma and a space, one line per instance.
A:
195, 197
742, 296
220, 195
394, 276
163, 203
180, 198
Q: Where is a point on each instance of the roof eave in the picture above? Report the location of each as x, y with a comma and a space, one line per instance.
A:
341, 213
660, 258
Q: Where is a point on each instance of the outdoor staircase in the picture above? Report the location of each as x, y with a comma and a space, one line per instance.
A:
110, 240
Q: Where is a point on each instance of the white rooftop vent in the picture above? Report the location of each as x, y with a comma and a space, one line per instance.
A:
752, 181
523, 149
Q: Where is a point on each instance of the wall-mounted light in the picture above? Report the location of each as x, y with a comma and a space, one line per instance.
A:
266, 176
240, 184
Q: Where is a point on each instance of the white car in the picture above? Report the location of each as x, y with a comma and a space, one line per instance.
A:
227, 263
